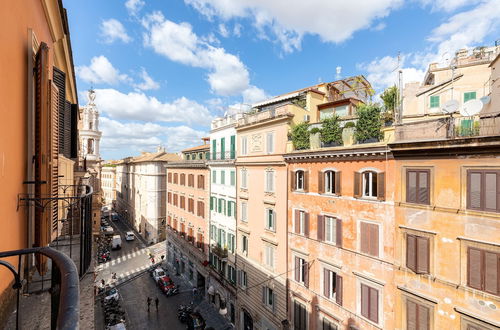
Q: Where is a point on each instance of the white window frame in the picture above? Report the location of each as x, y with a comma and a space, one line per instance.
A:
329, 183
269, 181
244, 178
301, 222
244, 211
222, 177
380, 238
244, 146
269, 254
380, 289
370, 174
299, 182
270, 142
331, 295
244, 245
244, 279
333, 225
269, 295
214, 176
303, 264
273, 220
232, 178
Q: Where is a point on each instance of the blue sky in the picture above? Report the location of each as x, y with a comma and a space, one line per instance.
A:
163, 69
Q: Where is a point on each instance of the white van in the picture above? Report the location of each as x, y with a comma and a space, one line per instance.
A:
116, 242
129, 236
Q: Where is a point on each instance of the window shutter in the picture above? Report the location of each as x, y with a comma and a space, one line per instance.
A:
321, 179
306, 224
264, 295
337, 183
321, 227
74, 131
338, 231
374, 305
293, 184
474, 269
326, 282
338, 290
297, 269
411, 315
422, 255
474, 188
54, 156
381, 186
357, 184
306, 274
423, 187
374, 244
365, 295
411, 186
411, 243
275, 302
59, 79
297, 222
423, 317
365, 237
306, 181
491, 272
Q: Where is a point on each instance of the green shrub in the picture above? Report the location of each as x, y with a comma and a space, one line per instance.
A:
349, 124
314, 130
300, 136
331, 131
369, 124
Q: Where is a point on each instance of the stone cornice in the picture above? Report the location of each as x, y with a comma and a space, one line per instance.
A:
339, 153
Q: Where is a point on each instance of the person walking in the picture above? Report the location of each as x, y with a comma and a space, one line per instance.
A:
149, 303
157, 301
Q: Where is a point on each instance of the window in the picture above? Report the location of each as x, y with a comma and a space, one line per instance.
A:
232, 147
270, 220
169, 177
213, 233
222, 177
191, 180
244, 211
482, 190
214, 176
301, 222
301, 271
213, 203
242, 279
332, 286
199, 242
222, 206
169, 197
434, 101
231, 274
417, 316
231, 209
222, 148
201, 181
329, 182
175, 199
175, 178
244, 245
244, 146
183, 179
233, 178
214, 149
299, 316
299, 180
221, 238
469, 96
191, 205
417, 253
330, 229
417, 186
369, 303
369, 184
328, 325
269, 253
243, 178
468, 323
268, 297
183, 202
270, 142
269, 181
231, 243
201, 209
369, 238
482, 270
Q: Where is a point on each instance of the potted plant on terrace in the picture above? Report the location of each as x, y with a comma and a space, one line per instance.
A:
348, 133
369, 124
331, 133
300, 136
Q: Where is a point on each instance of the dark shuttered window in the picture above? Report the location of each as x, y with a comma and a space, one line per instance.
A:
369, 303
417, 316
299, 316
369, 184
332, 286
369, 239
329, 229
417, 253
483, 190
483, 270
328, 325
418, 186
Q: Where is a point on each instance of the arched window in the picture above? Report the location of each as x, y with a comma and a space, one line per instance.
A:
369, 184
299, 180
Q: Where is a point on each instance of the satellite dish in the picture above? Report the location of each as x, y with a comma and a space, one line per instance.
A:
471, 108
485, 99
450, 106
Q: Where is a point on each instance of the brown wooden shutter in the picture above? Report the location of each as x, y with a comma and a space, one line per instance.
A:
54, 159
321, 227
338, 190
74, 130
306, 274
411, 243
338, 290
306, 181
365, 302
411, 186
474, 188
365, 237
306, 224
374, 241
491, 272
373, 305
293, 184
474, 270
357, 184
297, 269
422, 255
423, 187
423, 318
326, 282
411, 315
297, 222
321, 179
381, 186
338, 232
264, 295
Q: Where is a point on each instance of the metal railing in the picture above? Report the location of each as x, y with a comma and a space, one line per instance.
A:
65, 288
226, 155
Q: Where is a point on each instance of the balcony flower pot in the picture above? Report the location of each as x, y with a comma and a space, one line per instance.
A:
348, 136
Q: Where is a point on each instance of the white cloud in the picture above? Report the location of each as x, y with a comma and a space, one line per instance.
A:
100, 71
139, 106
135, 137
134, 6
227, 74
148, 83
448, 5
379, 27
289, 20
254, 94
223, 30
237, 30
112, 30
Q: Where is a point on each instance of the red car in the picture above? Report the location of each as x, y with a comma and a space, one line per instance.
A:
165, 283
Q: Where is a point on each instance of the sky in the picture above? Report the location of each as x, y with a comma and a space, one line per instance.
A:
163, 69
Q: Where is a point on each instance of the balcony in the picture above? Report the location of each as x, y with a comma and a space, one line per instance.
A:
252, 118
219, 251
222, 156
226, 121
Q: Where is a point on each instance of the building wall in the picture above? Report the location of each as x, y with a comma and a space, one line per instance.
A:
451, 230
108, 179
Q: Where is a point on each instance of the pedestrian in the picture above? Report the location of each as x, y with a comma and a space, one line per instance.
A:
149, 303
157, 301
195, 292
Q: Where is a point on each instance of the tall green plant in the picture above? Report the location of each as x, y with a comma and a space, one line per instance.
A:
390, 97
300, 136
330, 130
369, 125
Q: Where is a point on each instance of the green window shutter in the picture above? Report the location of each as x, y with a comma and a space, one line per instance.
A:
434, 101
214, 176
220, 205
211, 203
214, 148
222, 177
229, 208
233, 178
222, 147
233, 146
469, 96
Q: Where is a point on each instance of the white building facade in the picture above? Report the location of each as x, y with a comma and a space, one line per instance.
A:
108, 184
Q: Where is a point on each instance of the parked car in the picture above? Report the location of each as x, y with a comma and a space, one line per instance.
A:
158, 273
129, 236
108, 230
116, 243
164, 283
111, 294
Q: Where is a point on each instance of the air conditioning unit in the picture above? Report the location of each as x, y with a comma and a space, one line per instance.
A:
307, 118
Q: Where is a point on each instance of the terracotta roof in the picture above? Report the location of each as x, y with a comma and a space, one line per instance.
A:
155, 157
201, 147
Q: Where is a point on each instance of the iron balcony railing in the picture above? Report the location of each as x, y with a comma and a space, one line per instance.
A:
65, 287
219, 251
226, 155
